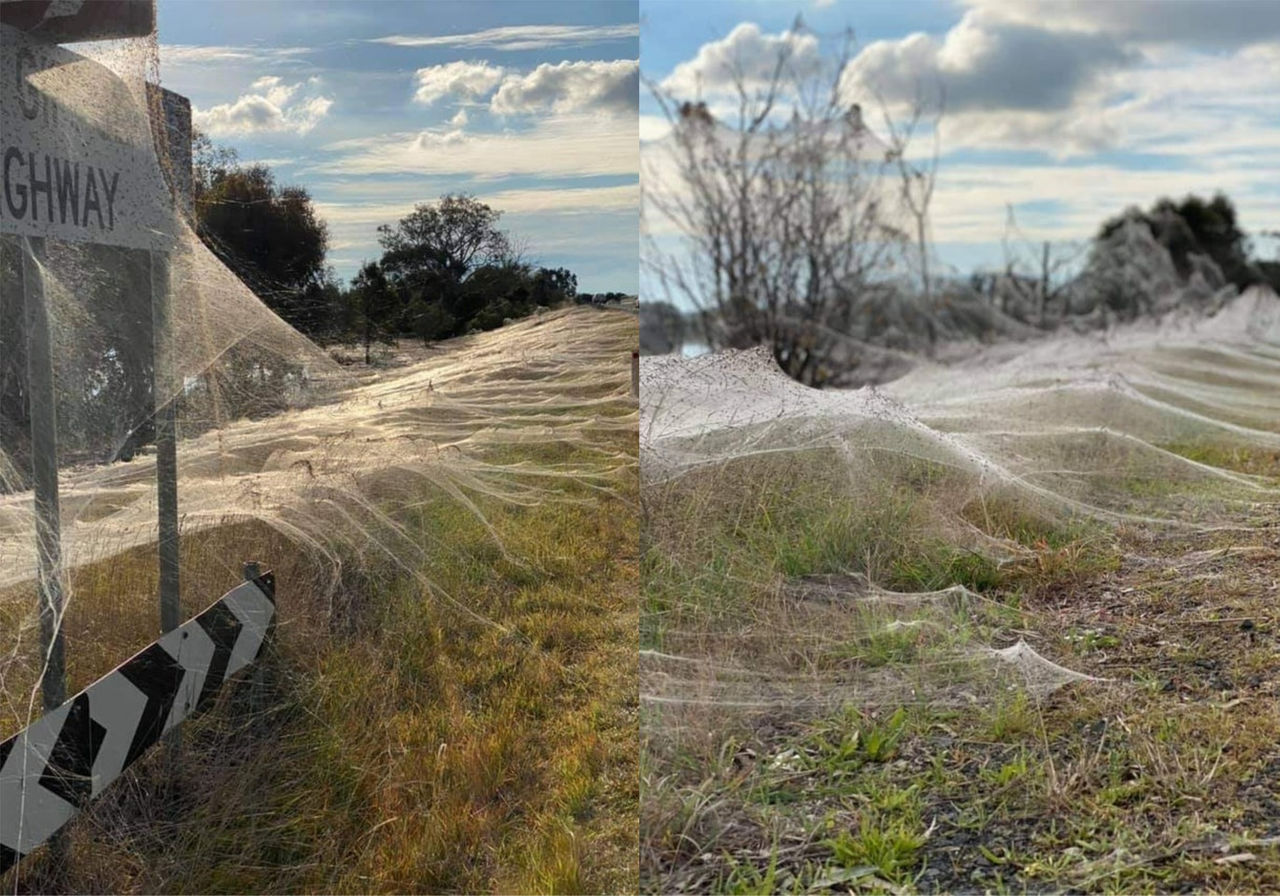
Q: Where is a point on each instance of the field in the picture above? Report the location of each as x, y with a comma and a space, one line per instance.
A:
450, 701
1005, 631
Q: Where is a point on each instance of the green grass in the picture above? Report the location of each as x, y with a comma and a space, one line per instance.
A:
1164, 779
1239, 458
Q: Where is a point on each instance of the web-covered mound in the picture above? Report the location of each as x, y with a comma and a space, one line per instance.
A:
911, 496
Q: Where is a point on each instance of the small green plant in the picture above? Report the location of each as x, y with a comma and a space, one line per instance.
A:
746, 879
1012, 717
887, 845
847, 743
880, 742
1008, 772
1090, 640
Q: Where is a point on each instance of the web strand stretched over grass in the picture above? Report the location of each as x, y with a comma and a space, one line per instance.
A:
1021, 456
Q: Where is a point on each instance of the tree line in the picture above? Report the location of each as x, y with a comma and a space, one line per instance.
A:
806, 230
446, 268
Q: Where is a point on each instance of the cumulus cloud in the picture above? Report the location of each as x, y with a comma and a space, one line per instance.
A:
745, 52
568, 87
272, 107
518, 37
987, 65
463, 80
1206, 23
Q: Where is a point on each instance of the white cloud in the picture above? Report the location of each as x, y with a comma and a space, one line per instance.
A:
653, 127
1205, 23
1212, 107
272, 107
463, 80
987, 65
180, 54
274, 89
744, 52
519, 37
459, 119
568, 87
565, 146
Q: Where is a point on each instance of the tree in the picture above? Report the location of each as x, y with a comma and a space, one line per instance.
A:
375, 305
916, 185
1038, 276
662, 328
1194, 227
268, 235
432, 255
456, 272
552, 286
791, 227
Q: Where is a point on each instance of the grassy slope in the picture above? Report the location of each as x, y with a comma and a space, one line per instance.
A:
398, 745
1166, 778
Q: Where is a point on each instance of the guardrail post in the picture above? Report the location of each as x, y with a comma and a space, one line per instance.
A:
635, 374
50, 769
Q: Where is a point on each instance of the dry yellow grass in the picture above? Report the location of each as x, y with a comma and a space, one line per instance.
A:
400, 741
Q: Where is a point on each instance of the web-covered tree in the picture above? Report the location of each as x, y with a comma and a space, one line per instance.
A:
268, 235
1194, 227
794, 216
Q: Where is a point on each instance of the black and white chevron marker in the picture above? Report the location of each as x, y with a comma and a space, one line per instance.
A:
50, 769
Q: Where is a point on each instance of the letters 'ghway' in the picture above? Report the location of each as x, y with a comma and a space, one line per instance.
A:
76, 170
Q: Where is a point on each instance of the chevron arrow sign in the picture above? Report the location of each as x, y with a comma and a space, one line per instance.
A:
52, 768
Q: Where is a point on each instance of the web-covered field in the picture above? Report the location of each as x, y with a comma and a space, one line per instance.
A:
453, 705
324, 474
1006, 623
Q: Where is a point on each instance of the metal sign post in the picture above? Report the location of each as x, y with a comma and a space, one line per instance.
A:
69, 178
44, 473
166, 444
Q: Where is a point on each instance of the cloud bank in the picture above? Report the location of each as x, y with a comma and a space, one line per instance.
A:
272, 107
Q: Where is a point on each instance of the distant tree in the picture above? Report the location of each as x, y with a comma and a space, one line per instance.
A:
432, 253
1194, 227
430, 321
1037, 277
268, 235
374, 306
552, 286
209, 161
456, 272
662, 328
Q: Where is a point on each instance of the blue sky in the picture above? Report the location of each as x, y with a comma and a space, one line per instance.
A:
376, 106
1065, 111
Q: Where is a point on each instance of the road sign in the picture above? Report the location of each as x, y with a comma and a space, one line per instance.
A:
66, 21
49, 770
85, 174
